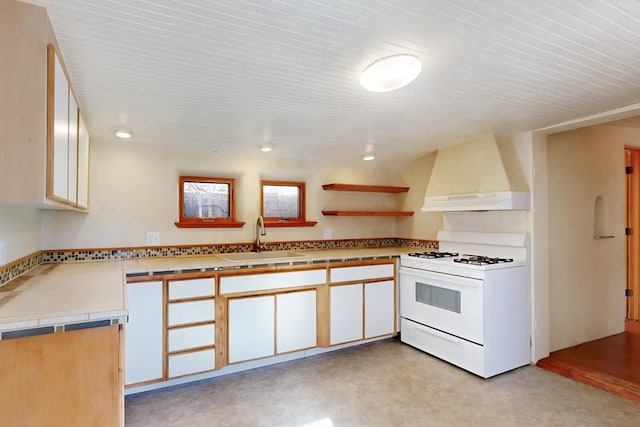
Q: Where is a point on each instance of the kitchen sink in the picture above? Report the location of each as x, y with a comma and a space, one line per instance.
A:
256, 256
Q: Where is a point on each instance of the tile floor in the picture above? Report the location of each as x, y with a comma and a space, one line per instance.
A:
381, 384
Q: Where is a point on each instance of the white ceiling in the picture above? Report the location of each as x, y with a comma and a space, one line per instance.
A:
228, 75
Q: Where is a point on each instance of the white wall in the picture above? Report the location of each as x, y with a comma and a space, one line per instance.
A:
134, 189
586, 276
20, 231
422, 225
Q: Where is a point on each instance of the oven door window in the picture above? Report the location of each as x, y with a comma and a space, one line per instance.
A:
447, 299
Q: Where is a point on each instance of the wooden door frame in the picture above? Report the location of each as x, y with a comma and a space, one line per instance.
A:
632, 191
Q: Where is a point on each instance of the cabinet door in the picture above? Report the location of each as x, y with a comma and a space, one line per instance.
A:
346, 313
72, 155
379, 309
83, 164
57, 187
143, 333
251, 328
296, 321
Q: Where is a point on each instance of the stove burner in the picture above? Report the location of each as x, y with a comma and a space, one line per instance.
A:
433, 254
481, 260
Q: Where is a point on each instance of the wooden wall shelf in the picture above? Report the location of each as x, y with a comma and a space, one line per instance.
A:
369, 188
367, 213
365, 188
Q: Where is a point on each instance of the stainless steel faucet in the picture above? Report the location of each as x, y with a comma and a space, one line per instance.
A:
260, 231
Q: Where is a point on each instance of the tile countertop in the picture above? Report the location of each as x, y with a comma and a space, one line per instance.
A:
58, 297
61, 297
146, 266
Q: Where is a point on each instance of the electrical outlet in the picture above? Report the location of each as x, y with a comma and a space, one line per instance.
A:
327, 233
3, 253
153, 238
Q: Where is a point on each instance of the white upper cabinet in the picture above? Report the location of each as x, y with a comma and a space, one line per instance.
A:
83, 164
57, 181
45, 143
67, 140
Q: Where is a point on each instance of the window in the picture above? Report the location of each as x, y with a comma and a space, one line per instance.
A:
282, 204
207, 202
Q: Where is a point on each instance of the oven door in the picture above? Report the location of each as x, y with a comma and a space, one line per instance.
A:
449, 303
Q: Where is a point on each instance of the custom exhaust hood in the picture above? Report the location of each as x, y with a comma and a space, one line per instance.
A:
478, 175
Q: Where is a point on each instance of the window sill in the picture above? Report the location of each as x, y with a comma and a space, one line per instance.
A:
211, 224
292, 223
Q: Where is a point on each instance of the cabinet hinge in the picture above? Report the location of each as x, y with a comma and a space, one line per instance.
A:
628, 170
628, 292
628, 231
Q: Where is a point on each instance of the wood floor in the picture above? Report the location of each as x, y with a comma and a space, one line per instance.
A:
611, 363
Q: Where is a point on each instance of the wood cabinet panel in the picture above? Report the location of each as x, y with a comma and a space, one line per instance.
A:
67, 379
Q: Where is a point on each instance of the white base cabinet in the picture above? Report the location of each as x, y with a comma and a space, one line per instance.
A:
362, 310
271, 324
379, 309
251, 328
144, 344
296, 321
346, 313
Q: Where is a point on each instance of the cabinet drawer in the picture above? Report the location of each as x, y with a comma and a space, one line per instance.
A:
191, 363
191, 288
180, 313
346, 274
191, 337
260, 282
452, 349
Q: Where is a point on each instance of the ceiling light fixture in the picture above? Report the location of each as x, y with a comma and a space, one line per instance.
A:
266, 147
390, 73
368, 156
122, 133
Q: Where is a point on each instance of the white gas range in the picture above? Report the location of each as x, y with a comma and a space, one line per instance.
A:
468, 304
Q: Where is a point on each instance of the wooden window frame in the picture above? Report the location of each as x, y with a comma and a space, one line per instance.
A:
189, 222
302, 201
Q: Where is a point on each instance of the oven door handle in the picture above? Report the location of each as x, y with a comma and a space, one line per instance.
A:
438, 334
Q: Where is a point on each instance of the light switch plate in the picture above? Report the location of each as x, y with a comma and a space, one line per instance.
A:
3, 253
153, 238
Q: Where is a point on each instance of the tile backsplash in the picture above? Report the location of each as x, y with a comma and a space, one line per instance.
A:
14, 269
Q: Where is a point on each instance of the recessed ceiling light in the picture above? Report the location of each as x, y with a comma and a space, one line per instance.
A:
122, 133
266, 147
368, 156
390, 73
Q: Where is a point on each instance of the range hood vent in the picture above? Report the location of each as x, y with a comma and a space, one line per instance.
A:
478, 175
